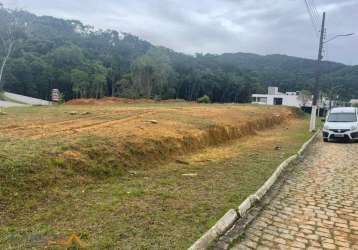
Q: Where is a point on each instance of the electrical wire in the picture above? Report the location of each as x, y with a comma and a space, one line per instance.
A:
315, 11
310, 13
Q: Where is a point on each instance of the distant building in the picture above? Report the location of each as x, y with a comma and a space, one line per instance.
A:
274, 97
354, 102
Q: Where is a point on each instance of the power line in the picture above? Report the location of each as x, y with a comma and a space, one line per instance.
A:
315, 11
309, 10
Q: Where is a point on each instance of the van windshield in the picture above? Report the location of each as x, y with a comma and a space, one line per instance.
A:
342, 117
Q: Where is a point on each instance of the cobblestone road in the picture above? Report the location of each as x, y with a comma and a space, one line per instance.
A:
317, 208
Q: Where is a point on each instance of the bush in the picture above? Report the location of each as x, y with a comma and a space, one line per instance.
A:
204, 99
61, 99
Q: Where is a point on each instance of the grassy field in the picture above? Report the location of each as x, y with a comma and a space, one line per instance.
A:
134, 176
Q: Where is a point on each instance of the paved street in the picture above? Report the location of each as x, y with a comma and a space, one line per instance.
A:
16, 99
6, 104
317, 208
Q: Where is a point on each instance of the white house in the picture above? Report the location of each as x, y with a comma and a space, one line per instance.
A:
274, 97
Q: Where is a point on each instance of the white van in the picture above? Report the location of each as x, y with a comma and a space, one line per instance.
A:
341, 123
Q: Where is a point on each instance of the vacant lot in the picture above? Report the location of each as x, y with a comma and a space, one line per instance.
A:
134, 176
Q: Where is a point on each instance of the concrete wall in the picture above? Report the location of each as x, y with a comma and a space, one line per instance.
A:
287, 100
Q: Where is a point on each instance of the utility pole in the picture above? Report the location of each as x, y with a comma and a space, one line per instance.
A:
318, 76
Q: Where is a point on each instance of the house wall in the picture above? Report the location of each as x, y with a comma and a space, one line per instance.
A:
287, 100
354, 102
273, 90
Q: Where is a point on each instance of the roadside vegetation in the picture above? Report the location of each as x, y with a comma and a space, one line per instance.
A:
134, 176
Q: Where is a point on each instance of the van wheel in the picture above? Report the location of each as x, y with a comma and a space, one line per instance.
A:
325, 139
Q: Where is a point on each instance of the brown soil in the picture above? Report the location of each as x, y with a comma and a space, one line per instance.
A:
217, 123
137, 136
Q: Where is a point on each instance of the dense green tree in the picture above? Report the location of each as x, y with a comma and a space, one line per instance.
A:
80, 81
66, 57
98, 87
49, 53
153, 75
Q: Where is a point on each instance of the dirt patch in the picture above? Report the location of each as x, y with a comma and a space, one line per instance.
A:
133, 143
50, 148
124, 134
72, 155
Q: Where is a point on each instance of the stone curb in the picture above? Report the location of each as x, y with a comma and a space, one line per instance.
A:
260, 193
218, 229
252, 199
305, 146
232, 215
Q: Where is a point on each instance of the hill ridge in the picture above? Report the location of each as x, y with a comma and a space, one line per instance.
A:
56, 54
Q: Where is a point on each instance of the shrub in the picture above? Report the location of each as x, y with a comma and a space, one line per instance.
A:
61, 99
204, 99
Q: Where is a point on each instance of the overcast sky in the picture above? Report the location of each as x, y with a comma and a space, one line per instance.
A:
216, 26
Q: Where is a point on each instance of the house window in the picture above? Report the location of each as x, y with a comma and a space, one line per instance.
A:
262, 99
259, 100
277, 101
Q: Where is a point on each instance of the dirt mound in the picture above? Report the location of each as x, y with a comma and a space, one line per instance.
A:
51, 148
107, 101
112, 138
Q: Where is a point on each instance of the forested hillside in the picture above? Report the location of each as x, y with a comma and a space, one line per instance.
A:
83, 62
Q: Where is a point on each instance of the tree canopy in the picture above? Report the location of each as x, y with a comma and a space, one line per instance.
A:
84, 62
